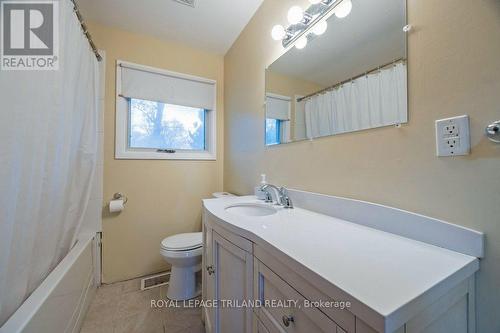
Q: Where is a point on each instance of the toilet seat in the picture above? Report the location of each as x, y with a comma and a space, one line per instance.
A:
183, 242
170, 254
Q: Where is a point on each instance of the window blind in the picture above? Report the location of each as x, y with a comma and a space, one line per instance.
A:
277, 108
167, 88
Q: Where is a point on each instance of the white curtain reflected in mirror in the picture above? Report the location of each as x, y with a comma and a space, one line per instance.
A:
373, 100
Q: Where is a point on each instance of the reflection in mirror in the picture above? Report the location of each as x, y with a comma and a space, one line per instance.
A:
278, 118
352, 77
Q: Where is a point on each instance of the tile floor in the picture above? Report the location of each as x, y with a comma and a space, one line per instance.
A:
124, 308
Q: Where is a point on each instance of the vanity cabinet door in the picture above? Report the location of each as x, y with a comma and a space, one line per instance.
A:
279, 314
258, 326
230, 279
208, 283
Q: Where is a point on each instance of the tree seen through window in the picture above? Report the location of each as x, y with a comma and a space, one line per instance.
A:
158, 125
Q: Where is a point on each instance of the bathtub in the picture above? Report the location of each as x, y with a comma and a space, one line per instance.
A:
60, 303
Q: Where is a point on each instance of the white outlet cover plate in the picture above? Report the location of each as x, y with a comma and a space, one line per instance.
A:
453, 136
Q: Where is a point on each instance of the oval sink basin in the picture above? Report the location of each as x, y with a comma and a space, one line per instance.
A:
251, 210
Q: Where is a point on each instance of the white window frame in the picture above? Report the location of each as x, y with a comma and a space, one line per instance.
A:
123, 151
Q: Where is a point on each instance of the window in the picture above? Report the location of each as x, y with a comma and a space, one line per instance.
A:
156, 125
163, 115
277, 125
273, 132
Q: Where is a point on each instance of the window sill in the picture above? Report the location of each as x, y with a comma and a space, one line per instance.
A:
151, 155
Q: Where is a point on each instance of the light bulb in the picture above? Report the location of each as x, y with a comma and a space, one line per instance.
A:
320, 28
301, 43
278, 32
343, 9
315, 2
295, 15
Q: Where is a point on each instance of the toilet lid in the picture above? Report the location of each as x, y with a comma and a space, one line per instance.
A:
182, 242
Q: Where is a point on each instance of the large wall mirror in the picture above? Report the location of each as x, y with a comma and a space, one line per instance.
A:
350, 78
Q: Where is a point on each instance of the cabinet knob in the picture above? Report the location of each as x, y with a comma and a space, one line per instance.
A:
287, 320
210, 270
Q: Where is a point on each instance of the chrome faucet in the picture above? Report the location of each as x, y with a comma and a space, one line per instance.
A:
281, 193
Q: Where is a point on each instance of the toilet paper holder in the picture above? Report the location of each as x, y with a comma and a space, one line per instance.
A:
120, 196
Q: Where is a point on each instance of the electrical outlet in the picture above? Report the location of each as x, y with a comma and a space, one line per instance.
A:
452, 142
453, 136
450, 130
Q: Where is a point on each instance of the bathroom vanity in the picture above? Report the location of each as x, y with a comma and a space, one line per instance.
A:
335, 265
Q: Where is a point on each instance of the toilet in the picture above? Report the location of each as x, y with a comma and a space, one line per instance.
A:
183, 252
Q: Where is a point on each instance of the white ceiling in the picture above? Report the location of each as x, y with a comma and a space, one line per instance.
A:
372, 35
213, 25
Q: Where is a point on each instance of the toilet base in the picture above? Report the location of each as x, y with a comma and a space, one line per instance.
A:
182, 285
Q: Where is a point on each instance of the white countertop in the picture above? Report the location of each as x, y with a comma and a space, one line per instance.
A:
381, 270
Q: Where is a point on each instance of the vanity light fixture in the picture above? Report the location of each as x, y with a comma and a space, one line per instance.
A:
278, 32
315, 16
343, 9
301, 42
295, 15
320, 28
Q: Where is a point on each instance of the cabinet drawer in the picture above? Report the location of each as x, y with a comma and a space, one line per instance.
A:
342, 316
277, 311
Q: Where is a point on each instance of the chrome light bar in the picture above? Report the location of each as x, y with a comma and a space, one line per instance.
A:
312, 15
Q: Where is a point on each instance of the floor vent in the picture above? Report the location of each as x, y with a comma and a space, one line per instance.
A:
190, 3
155, 281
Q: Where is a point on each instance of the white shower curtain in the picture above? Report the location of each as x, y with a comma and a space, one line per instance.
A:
374, 100
48, 151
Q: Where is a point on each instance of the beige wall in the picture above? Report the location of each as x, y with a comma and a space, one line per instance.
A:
164, 196
454, 69
280, 84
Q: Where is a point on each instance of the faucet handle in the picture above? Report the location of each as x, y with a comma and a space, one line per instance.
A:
287, 202
285, 199
269, 197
